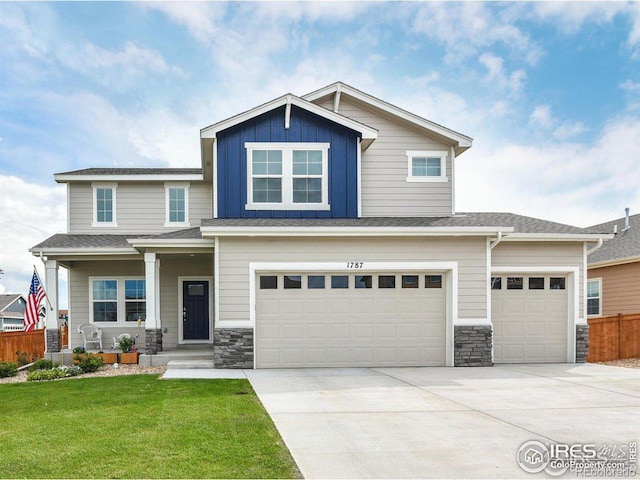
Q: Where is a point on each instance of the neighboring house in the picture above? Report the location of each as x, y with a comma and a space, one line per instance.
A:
614, 270
12, 306
319, 231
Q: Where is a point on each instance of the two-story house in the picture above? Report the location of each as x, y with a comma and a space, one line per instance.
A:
319, 231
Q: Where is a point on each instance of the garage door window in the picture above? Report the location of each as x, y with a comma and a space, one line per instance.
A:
268, 282
557, 283
339, 281
496, 283
292, 282
536, 283
363, 281
433, 281
387, 281
514, 283
409, 281
315, 282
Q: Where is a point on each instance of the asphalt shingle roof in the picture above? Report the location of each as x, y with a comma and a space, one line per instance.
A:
623, 245
133, 171
521, 223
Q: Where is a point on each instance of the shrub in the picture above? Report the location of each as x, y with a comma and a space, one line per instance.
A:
89, 362
126, 344
54, 373
79, 350
8, 369
42, 364
23, 358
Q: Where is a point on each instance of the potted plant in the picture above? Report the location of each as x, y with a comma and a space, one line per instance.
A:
129, 352
111, 357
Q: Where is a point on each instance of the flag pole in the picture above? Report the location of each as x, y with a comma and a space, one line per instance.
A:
45, 290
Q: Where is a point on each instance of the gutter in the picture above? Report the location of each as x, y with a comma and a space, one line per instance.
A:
596, 247
496, 241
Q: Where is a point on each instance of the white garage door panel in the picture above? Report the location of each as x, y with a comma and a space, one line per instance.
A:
350, 327
529, 326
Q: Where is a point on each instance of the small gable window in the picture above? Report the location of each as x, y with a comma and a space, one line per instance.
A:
287, 176
176, 204
104, 204
427, 166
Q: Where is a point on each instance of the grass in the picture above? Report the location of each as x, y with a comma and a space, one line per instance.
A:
138, 427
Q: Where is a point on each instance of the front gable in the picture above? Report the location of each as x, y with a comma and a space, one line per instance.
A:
286, 128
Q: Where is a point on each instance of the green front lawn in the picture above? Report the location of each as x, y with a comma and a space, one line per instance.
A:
138, 427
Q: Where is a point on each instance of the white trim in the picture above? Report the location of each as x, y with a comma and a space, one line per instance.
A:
488, 258
214, 185
287, 113
573, 290
614, 262
120, 299
463, 141
167, 189
367, 132
450, 268
359, 173
453, 180
216, 282
169, 242
104, 185
189, 278
472, 322
157, 177
68, 208
441, 154
598, 280
287, 175
85, 251
331, 231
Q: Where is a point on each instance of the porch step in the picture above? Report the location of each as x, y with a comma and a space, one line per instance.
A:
189, 364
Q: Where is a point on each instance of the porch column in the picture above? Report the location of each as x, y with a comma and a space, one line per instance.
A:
52, 337
153, 330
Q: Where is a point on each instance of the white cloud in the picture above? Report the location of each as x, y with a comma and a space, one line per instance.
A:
541, 117
466, 28
579, 184
630, 86
543, 121
29, 213
570, 16
498, 77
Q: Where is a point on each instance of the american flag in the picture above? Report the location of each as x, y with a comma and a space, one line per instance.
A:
36, 294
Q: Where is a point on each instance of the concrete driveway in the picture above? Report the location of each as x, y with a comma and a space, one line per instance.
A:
444, 422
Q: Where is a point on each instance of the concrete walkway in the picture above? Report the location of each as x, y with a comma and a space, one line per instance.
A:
444, 422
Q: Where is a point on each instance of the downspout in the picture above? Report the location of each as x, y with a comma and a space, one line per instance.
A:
596, 247
496, 241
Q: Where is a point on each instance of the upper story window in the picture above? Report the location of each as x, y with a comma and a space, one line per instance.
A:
427, 166
594, 297
287, 176
104, 204
176, 204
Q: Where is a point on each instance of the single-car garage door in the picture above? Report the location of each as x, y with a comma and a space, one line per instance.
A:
530, 316
350, 320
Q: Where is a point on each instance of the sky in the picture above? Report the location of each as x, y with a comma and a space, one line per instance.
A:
549, 91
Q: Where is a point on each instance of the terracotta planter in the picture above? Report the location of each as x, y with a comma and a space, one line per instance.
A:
108, 357
129, 357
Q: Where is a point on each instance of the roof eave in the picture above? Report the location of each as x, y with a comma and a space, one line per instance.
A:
183, 177
368, 133
173, 242
613, 262
342, 231
85, 251
580, 237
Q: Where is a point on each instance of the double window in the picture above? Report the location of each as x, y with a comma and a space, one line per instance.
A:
427, 166
176, 204
104, 204
117, 300
287, 176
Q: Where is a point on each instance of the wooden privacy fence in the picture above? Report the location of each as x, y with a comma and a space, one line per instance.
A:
612, 338
32, 343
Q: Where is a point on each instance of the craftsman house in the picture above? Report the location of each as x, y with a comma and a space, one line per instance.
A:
318, 231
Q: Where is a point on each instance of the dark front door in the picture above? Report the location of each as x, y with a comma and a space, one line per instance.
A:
195, 310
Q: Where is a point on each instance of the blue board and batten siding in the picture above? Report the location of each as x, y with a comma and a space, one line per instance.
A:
303, 127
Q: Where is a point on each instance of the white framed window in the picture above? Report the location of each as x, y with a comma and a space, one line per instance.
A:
287, 176
176, 204
427, 166
104, 204
117, 300
594, 297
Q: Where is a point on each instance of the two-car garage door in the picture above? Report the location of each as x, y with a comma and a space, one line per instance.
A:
324, 319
